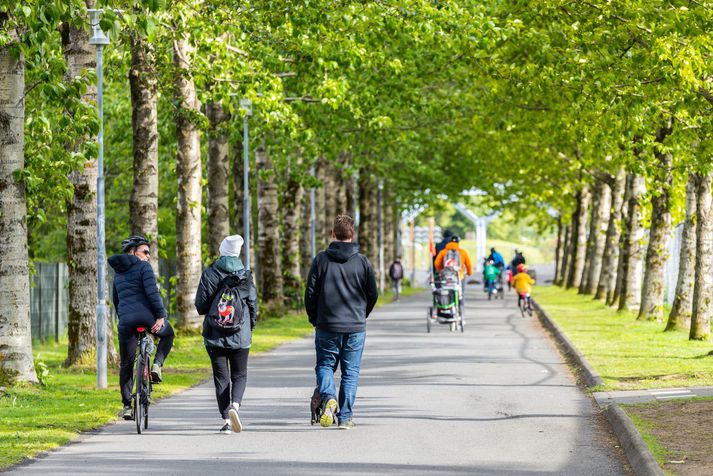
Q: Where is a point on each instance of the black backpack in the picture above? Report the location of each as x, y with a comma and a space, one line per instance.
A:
226, 310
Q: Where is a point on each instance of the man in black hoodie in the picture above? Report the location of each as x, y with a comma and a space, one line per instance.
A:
341, 293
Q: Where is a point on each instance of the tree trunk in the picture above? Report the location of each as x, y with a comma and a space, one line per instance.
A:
579, 238
652, 294
305, 236
597, 238
292, 213
703, 288
680, 316
368, 220
16, 361
237, 189
630, 297
188, 173
614, 298
143, 204
564, 267
610, 260
558, 249
81, 216
271, 283
218, 177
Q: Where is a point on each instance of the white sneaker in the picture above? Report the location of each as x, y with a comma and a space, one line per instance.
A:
235, 422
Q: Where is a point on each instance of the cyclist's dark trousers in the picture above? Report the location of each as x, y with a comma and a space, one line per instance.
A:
230, 375
127, 352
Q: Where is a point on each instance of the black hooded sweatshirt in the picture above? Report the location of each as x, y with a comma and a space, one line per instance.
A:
341, 289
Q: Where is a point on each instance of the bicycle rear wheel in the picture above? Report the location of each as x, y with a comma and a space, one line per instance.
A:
147, 392
138, 398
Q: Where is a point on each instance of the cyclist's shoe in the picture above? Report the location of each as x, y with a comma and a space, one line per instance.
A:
225, 430
128, 412
235, 422
156, 373
329, 410
346, 425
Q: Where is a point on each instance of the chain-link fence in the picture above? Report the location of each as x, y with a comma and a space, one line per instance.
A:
49, 297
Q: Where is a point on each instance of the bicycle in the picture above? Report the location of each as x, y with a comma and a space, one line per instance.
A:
524, 302
142, 397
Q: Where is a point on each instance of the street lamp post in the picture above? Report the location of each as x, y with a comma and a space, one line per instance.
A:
380, 221
247, 106
99, 39
312, 218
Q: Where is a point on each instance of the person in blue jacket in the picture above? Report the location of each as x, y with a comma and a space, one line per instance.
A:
138, 304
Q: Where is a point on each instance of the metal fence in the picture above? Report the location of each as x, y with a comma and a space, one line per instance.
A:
49, 297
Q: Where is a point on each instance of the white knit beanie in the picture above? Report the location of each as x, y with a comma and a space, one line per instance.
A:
231, 246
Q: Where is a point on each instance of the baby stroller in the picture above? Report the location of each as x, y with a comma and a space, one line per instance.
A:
447, 305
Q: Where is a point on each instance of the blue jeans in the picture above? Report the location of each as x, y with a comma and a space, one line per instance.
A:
490, 283
344, 349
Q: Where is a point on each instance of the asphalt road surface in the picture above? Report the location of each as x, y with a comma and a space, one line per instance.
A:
496, 400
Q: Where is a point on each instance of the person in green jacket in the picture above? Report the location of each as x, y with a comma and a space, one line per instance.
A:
490, 273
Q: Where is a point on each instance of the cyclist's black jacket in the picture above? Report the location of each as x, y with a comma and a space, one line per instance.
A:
135, 294
341, 289
209, 285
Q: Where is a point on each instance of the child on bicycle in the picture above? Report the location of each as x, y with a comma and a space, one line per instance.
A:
490, 274
522, 282
138, 303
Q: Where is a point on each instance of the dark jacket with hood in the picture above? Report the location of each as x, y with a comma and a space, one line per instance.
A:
135, 295
341, 289
209, 285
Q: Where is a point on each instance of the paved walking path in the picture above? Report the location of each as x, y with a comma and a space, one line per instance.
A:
497, 400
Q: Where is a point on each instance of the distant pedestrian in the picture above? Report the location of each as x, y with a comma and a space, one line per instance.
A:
517, 260
138, 303
227, 298
341, 293
396, 273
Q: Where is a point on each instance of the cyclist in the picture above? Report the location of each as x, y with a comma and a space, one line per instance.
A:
522, 282
491, 273
517, 260
499, 263
138, 304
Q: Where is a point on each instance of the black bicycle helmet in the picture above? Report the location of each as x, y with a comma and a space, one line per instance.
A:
455, 239
133, 242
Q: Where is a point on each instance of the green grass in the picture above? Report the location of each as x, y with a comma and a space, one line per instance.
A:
645, 428
70, 403
387, 296
627, 353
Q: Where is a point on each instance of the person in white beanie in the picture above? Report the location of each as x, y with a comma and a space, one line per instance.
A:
227, 297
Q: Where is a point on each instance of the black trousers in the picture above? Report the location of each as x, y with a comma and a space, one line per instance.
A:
127, 352
230, 375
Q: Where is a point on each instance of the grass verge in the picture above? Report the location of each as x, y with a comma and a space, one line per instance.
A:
678, 433
628, 354
70, 403
387, 296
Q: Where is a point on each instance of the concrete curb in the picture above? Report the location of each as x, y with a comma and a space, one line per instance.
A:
637, 451
591, 377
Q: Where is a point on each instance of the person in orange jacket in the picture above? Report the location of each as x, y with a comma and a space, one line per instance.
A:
466, 268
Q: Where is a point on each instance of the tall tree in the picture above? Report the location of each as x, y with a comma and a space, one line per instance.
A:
143, 81
15, 329
270, 257
607, 276
291, 220
652, 293
81, 211
703, 288
680, 316
630, 297
188, 171
579, 238
218, 178
601, 210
